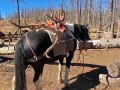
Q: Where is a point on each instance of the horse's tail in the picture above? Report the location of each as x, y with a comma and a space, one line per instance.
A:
19, 59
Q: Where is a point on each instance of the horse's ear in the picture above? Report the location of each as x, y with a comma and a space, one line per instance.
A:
87, 26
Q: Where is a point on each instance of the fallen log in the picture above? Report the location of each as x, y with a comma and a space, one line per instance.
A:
5, 51
1, 42
110, 43
99, 44
11, 43
114, 69
106, 79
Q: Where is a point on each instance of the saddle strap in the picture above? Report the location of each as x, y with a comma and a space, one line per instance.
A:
30, 47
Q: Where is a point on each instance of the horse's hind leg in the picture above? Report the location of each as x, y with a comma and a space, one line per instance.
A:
38, 69
60, 80
37, 83
13, 80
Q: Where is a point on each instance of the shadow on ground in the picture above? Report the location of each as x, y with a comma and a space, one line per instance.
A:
5, 59
87, 81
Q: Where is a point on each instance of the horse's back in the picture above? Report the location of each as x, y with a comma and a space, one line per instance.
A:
38, 41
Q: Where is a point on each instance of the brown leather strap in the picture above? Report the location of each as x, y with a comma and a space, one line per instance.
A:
30, 46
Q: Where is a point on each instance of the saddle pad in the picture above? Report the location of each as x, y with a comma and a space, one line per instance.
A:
51, 35
70, 26
62, 47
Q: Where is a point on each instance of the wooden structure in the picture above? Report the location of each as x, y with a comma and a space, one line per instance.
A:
99, 44
5, 51
114, 69
113, 76
2, 35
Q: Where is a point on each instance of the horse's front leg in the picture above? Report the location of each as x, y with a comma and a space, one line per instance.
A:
67, 68
60, 80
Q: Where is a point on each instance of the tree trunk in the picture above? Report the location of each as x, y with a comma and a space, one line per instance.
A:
89, 12
18, 9
80, 19
112, 19
100, 16
72, 19
99, 44
114, 69
105, 79
118, 29
77, 9
62, 4
85, 13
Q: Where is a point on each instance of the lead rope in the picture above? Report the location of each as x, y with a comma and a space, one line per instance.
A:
30, 47
84, 76
79, 59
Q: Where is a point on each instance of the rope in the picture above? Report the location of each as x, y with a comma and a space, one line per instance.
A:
30, 47
78, 59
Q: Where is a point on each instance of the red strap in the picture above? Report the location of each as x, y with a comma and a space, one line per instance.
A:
30, 47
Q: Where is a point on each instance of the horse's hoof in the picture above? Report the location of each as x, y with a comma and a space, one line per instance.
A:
67, 86
60, 81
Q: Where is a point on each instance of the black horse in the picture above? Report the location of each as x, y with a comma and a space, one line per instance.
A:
40, 41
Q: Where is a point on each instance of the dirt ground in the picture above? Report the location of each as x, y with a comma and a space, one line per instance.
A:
82, 76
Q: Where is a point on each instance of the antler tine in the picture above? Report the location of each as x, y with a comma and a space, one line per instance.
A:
45, 15
59, 14
56, 21
52, 14
37, 20
62, 13
15, 24
27, 24
55, 13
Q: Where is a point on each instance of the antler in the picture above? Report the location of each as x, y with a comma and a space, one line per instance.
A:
45, 15
58, 33
56, 20
62, 14
27, 25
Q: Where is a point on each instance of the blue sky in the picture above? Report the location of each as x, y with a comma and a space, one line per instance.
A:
8, 6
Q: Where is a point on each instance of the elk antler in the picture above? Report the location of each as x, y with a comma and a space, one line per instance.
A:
45, 15
61, 14
56, 20
37, 20
58, 33
27, 25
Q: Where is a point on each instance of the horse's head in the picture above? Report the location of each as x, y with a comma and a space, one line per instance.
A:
81, 32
